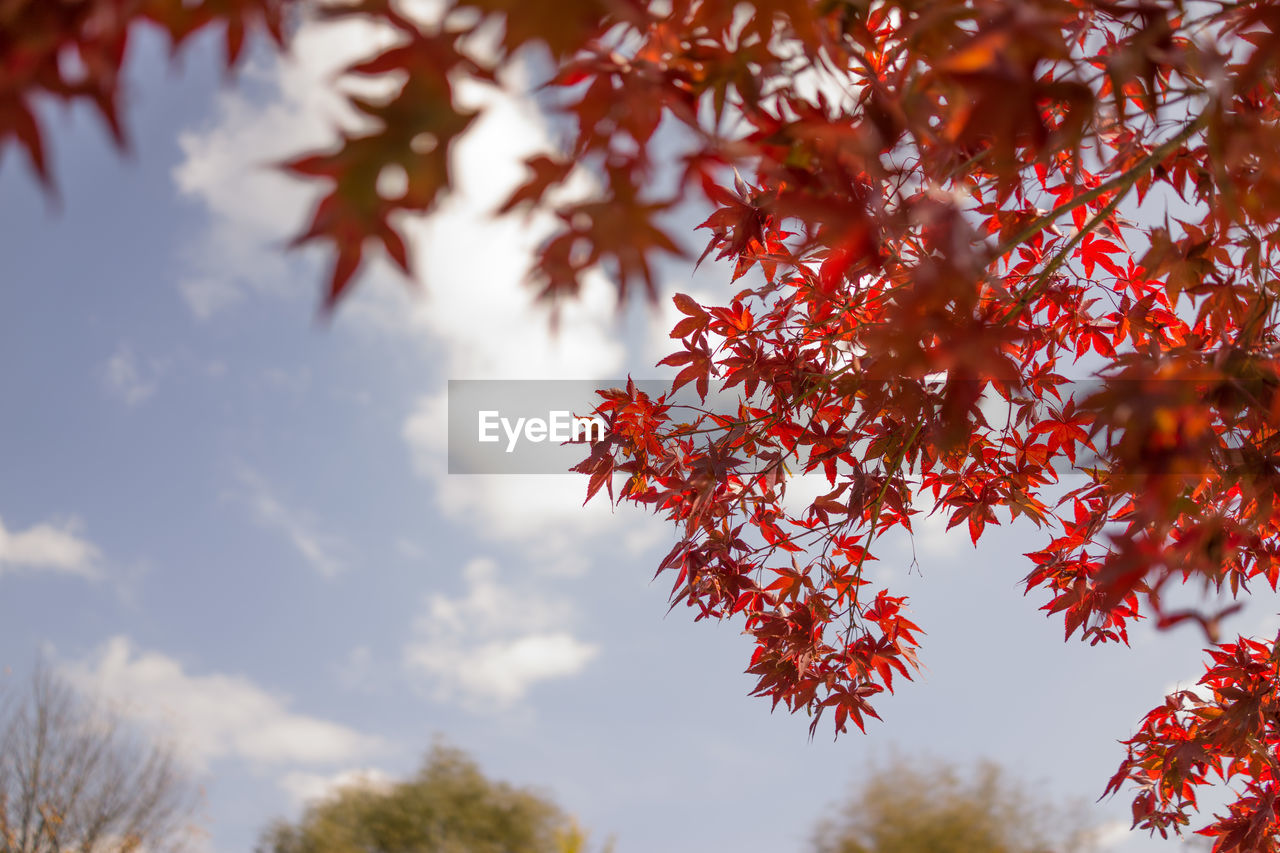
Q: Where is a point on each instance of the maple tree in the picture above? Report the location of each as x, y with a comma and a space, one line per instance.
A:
935, 210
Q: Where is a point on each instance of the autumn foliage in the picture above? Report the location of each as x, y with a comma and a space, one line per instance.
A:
73, 51
942, 217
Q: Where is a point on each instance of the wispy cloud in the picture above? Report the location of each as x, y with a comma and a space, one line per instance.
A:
206, 297
298, 526
49, 547
128, 379
489, 647
215, 716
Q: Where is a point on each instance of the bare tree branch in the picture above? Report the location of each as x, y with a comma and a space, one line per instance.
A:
76, 776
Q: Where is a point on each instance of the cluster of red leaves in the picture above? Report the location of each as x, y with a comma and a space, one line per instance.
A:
948, 217
949, 214
74, 50
1226, 729
412, 132
401, 163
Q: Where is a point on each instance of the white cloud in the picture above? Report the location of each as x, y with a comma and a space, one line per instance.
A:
126, 379
803, 488
215, 716
491, 646
476, 318
304, 788
209, 296
474, 265
49, 548
477, 315
297, 526
230, 167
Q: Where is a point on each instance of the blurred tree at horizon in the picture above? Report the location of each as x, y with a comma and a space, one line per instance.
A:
449, 806
911, 806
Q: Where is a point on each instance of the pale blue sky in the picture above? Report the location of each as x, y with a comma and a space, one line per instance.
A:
237, 517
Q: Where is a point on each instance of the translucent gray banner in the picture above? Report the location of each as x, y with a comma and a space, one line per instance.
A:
545, 426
